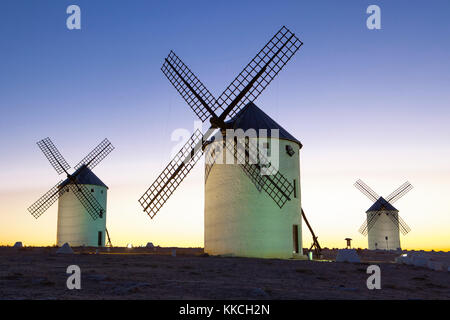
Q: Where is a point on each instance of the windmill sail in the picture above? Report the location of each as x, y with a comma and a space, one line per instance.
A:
403, 226
363, 228
247, 86
196, 95
45, 202
399, 223
384, 206
81, 192
97, 155
366, 190
369, 223
86, 198
399, 192
174, 173
268, 63
53, 155
272, 181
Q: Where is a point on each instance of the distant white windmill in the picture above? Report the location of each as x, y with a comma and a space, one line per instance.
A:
383, 223
81, 197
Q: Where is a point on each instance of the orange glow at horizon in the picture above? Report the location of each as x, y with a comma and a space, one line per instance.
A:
180, 222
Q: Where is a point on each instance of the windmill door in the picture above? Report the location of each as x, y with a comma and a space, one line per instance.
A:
100, 238
295, 237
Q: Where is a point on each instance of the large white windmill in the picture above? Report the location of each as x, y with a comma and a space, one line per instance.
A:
383, 223
247, 213
81, 197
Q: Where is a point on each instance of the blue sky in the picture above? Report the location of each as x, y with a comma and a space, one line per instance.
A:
370, 104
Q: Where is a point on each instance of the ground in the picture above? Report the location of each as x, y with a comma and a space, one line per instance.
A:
139, 273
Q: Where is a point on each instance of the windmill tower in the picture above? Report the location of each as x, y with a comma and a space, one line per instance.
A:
81, 197
251, 208
242, 220
383, 223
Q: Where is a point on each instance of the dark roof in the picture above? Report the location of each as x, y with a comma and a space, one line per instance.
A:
252, 117
381, 204
85, 176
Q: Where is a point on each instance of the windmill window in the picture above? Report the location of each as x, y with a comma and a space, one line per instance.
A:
101, 191
92, 190
295, 188
289, 150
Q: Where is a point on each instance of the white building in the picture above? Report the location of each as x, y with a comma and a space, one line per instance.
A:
385, 233
242, 221
75, 225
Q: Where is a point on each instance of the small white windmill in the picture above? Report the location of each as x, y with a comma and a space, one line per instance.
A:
81, 197
383, 224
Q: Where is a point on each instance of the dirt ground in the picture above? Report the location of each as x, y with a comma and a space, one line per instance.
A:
139, 273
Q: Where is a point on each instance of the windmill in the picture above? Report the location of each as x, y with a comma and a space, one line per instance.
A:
81, 197
383, 223
230, 228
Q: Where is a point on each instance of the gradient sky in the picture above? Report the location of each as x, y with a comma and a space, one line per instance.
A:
369, 104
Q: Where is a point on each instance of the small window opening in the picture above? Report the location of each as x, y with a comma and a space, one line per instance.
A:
290, 151
295, 188
266, 146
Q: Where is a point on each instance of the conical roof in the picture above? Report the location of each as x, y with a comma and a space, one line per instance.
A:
252, 117
85, 176
381, 205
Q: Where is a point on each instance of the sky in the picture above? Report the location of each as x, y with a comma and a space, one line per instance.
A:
369, 104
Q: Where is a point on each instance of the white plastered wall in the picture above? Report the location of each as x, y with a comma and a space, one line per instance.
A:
242, 221
75, 225
384, 227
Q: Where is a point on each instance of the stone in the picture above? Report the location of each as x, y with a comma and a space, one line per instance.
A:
399, 259
420, 261
149, 245
404, 259
65, 249
18, 245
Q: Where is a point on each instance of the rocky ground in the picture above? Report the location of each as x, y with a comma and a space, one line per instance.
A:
139, 273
